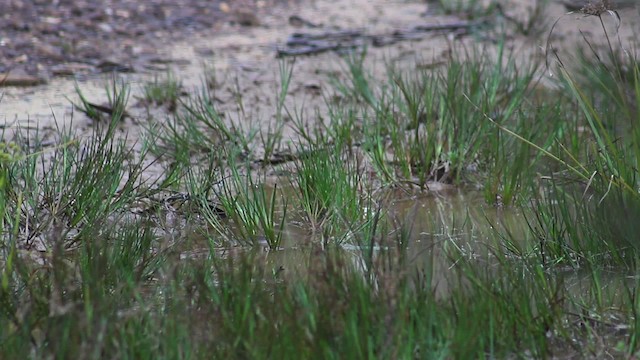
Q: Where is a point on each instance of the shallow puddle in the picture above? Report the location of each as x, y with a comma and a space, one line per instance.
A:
425, 223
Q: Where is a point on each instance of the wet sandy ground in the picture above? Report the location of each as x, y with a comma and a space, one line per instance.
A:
244, 58
48, 38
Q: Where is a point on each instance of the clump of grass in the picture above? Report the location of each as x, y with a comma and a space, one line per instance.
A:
511, 166
165, 92
67, 305
117, 98
198, 130
584, 222
432, 125
257, 215
84, 185
330, 189
72, 257
272, 137
469, 8
9, 215
10, 153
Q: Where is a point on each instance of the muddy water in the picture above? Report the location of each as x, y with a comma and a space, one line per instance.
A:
457, 223
437, 225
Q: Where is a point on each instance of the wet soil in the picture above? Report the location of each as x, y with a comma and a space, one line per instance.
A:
239, 42
40, 39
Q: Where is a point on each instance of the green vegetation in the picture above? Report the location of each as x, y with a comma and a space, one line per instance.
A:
468, 8
102, 259
165, 92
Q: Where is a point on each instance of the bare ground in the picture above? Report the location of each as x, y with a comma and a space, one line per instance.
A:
66, 37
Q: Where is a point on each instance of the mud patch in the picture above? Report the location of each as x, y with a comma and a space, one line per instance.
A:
54, 38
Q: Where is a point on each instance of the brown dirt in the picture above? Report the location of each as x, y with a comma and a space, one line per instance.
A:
44, 38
